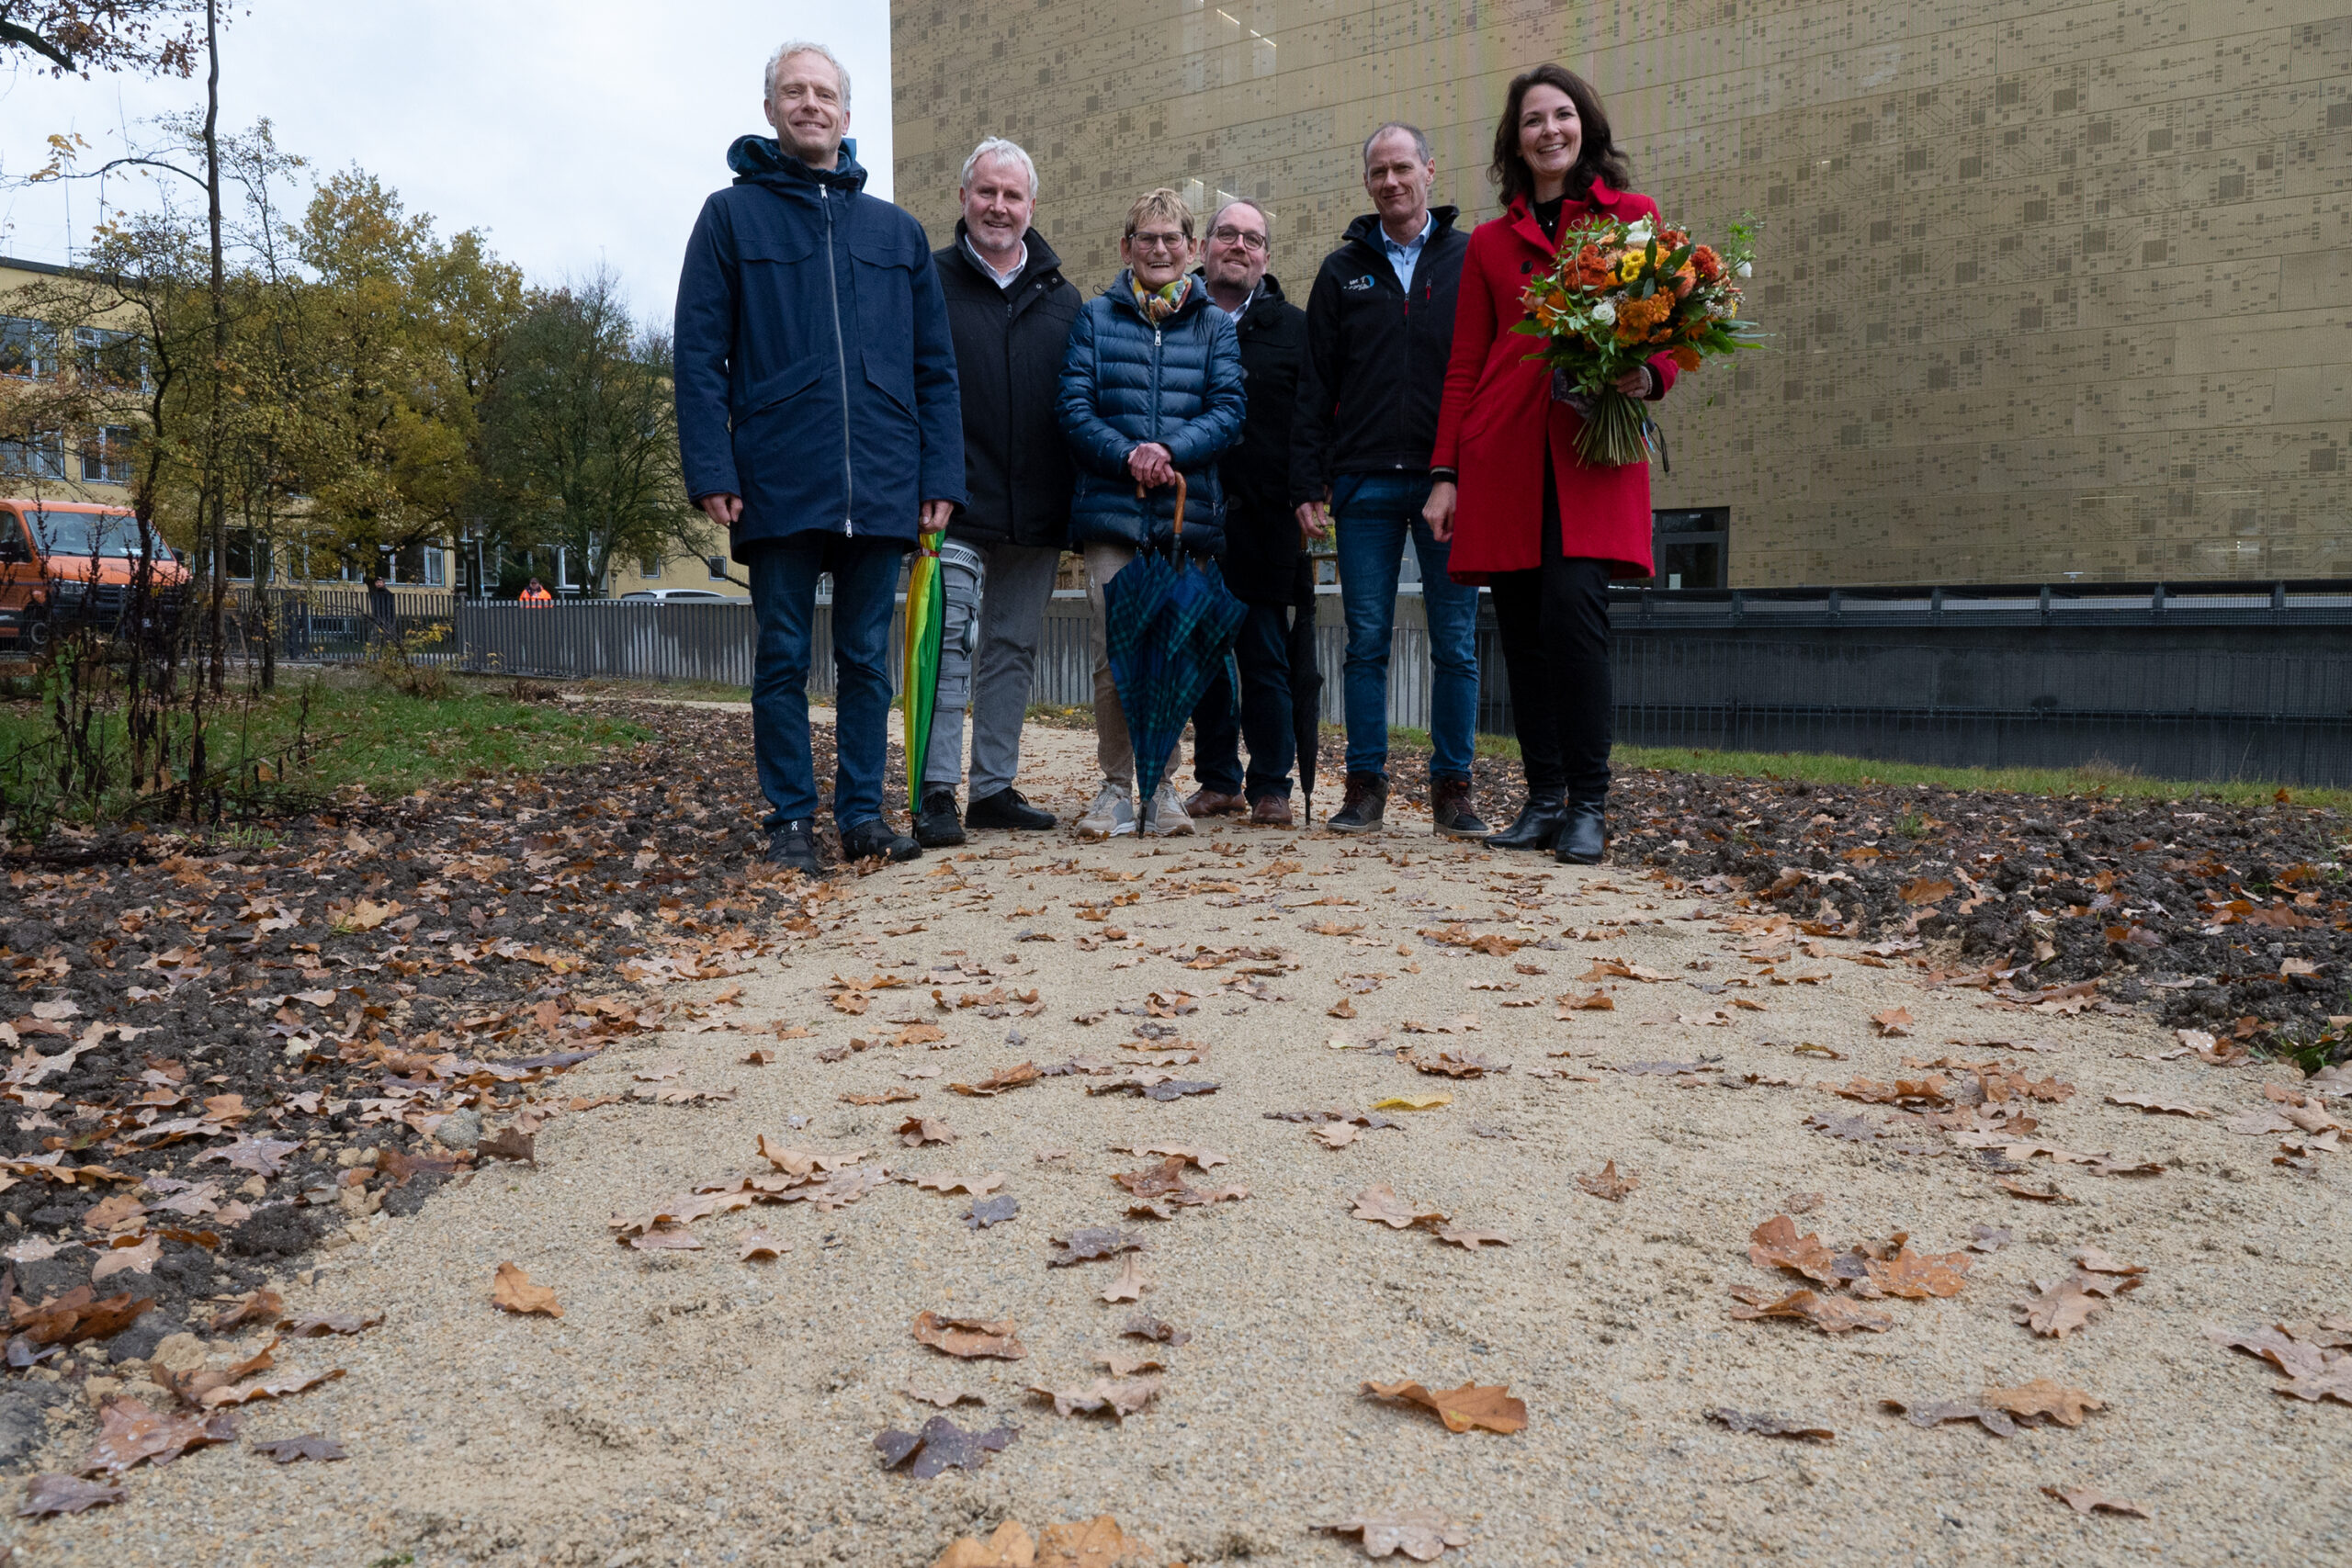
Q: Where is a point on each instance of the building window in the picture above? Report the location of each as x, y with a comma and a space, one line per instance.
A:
648, 566
110, 358
105, 456
717, 565
27, 349
35, 457
437, 567
1692, 548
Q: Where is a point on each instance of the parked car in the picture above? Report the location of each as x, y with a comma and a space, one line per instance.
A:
676, 595
72, 563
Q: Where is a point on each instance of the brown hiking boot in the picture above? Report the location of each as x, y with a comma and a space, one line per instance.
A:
1450, 812
1365, 805
1272, 811
1213, 803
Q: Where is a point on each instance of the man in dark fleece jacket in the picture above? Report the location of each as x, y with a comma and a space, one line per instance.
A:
1010, 308
818, 424
1379, 332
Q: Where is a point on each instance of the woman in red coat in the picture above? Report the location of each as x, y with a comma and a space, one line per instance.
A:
1524, 514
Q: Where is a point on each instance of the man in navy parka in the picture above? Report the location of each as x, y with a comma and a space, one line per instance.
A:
818, 422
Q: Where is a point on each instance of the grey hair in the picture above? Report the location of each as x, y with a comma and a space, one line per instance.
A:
802, 46
1420, 142
1224, 208
998, 147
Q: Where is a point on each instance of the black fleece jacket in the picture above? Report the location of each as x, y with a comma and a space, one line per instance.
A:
1009, 344
1368, 394
1260, 527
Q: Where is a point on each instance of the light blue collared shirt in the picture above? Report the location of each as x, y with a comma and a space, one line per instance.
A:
1407, 257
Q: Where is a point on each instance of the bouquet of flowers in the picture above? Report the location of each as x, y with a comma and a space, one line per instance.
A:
1617, 293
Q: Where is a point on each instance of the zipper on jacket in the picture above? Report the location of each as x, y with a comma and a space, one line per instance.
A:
1145, 520
841, 353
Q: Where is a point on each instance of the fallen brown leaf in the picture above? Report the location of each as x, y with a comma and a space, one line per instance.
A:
129, 1433
2056, 1310
940, 1445
1470, 1240
970, 1336
1129, 1286
998, 1082
1770, 1426
511, 1291
2085, 1501
1462, 1408
1608, 1183
315, 1445
1917, 1276
894, 1095
1381, 1204
1120, 1397
58, 1494
2042, 1398
1421, 1534
2150, 1102
917, 1130
1776, 1245
1831, 1314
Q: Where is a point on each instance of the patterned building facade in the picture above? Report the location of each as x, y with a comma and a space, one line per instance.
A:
2055, 289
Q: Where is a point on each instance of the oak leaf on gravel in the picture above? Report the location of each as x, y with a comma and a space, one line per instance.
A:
1412, 1102
917, 1130
58, 1494
80, 1313
2057, 1308
267, 1388
1336, 1134
891, 1096
511, 1291
129, 1433
318, 1325
944, 1396
998, 1082
1895, 1023
2043, 1398
1776, 1245
941, 1445
1470, 1240
509, 1144
1143, 1325
1129, 1285
259, 1306
2046, 1193
1092, 1242
1121, 1397
2158, 1105
2312, 1356
1450, 1063
1609, 1182
1767, 1425
1098, 1543
1463, 1408
756, 1242
994, 1211
1831, 1314
1938, 1412
978, 1185
970, 1336
1421, 1534
1917, 1275
1380, 1204
2086, 1501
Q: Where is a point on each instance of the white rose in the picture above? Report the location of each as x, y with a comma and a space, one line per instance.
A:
1605, 312
1742, 270
1639, 233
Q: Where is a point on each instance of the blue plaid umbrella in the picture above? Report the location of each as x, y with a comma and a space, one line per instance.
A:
1166, 635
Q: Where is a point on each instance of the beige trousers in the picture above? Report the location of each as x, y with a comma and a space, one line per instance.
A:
1113, 750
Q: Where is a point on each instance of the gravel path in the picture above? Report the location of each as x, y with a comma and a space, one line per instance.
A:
692, 1408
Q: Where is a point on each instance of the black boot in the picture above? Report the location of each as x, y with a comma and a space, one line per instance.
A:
1537, 825
1584, 837
1366, 803
868, 839
936, 827
1007, 808
1450, 814
793, 845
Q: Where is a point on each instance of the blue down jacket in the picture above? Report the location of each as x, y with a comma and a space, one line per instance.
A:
815, 375
1125, 383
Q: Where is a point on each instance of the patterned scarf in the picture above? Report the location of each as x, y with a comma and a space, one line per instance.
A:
1158, 304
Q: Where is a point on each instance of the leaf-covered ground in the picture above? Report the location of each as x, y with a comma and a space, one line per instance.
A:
520, 1174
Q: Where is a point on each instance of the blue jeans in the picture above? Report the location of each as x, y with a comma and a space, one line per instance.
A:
1373, 514
784, 575
1262, 653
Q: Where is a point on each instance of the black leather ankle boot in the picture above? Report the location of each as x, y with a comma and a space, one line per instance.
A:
1584, 837
1537, 824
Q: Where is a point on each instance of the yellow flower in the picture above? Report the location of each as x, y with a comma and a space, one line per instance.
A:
1631, 267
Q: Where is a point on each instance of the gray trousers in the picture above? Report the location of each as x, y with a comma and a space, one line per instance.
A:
1114, 751
994, 602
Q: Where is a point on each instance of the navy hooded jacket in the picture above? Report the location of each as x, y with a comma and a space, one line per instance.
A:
1125, 383
815, 374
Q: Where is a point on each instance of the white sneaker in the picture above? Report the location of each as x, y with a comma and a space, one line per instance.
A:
1113, 815
1166, 818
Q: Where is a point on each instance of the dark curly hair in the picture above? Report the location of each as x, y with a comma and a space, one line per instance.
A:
1598, 155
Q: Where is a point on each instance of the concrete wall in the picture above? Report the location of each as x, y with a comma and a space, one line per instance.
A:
2056, 286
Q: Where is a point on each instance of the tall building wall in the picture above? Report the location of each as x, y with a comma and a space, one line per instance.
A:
2054, 288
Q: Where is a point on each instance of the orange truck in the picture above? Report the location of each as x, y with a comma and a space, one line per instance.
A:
71, 563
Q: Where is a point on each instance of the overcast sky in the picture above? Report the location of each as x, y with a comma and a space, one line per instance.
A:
573, 132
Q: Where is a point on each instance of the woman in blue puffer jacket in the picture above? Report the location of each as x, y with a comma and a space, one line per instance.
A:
1151, 387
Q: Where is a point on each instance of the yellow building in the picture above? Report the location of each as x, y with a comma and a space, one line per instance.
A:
2056, 288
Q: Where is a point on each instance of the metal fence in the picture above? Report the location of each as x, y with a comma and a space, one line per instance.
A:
335, 623
2201, 682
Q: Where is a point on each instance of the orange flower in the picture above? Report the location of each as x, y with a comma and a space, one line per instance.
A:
1686, 357
1709, 265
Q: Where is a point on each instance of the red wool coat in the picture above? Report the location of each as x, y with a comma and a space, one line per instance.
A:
1498, 406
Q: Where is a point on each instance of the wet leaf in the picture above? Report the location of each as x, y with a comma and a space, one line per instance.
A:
993, 1211
2085, 1501
1421, 1534
1094, 1241
1608, 1182
941, 1445
1770, 1426
310, 1445
129, 1433
970, 1336
55, 1494
511, 1291
1119, 1397
1463, 1408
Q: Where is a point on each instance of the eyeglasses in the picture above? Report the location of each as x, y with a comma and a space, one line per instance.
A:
1159, 242
1228, 235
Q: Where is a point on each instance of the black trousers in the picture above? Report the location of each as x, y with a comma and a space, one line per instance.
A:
1554, 621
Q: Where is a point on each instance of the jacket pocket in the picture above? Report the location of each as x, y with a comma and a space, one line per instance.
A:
891, 376
882, 267
781, 384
